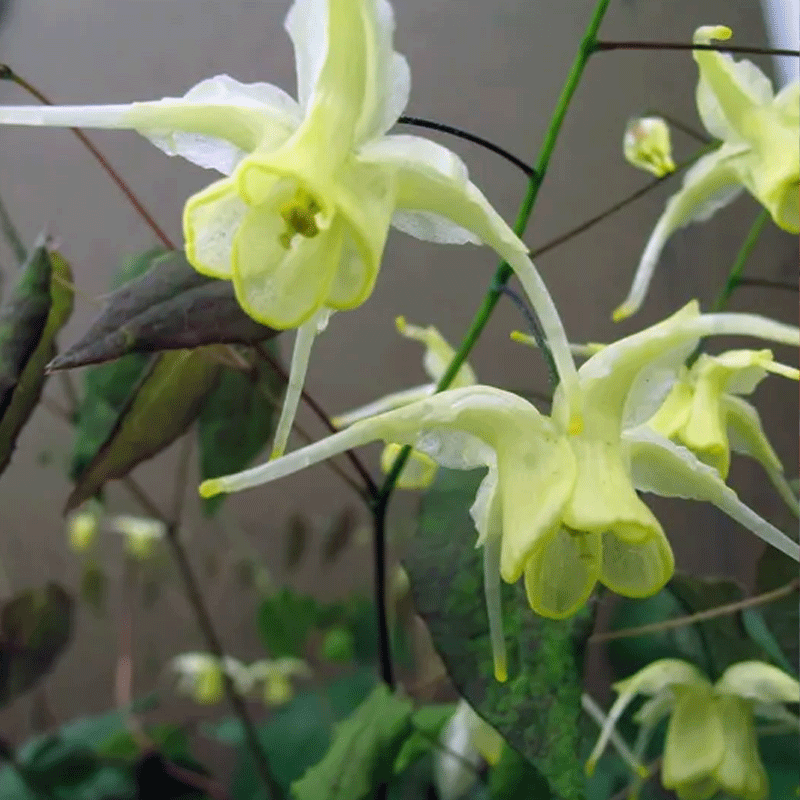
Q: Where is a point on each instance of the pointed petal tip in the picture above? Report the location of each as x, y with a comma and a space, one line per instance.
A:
623, 312
210, 488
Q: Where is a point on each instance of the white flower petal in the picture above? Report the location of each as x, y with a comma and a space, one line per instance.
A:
710, 184
307, 26
664, 468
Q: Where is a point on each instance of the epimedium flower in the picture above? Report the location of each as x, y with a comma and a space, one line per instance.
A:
420, 470
704, 411
311, 186
200, 676
758, 130
559, 506
711, 743
142, 535
274, 677
646, 145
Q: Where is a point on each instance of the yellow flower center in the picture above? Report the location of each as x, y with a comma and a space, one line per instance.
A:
299, 216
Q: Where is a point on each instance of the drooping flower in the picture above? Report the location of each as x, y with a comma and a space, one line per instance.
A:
300, 219
646, 145
557, 505
420, 469
142, 535
705, 412
274, 677
711, 742
200, 676
465, 740
759, 131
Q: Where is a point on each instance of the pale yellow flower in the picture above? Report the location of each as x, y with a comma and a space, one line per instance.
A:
311, 186
274, 677
759, 131
559, 505
711, 742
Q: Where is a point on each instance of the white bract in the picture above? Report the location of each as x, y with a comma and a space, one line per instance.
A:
560, 505
759, 131
311, 186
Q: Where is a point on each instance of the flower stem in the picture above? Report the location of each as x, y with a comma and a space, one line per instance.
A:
500, 278
735, 275
600, 47
11, 235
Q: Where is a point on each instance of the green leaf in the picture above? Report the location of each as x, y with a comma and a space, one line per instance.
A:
170, 740
166, 402
782, 762
513, 778
339, 535
756, 628
538, 710
427, 723
23, 318
781, 616
35, 627
107, 388
630, 654
362, 752
284, 622
298, 734
31, 379
169, 307
237, 421
724, 639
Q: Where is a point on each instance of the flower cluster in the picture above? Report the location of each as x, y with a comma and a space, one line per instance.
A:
298, 223
711, 742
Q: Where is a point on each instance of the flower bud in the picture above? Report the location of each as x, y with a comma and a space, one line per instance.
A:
141, 534
647, 145
82, 530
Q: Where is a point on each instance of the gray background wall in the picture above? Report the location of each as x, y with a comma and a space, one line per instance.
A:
495, 68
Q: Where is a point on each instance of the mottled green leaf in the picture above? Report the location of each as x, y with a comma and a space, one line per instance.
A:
775, 570
237, 421
35, 627
23, 318
169, 307
363, 750
538, 710
166, 402
28, 390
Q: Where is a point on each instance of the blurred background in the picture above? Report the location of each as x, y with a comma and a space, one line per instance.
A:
495, 69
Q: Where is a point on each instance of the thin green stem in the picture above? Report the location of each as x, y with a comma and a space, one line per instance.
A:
766, 283
499, 280
11, 235
735, 275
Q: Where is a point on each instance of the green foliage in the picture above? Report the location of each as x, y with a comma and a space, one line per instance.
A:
775, 570
538, 710
67, 765
28, 389
23, 318
513, 778
363, 750
713, 644
163, 303
297, 736
35, 627
107, 388
237, 421
427, 723
284, 622
166, 402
